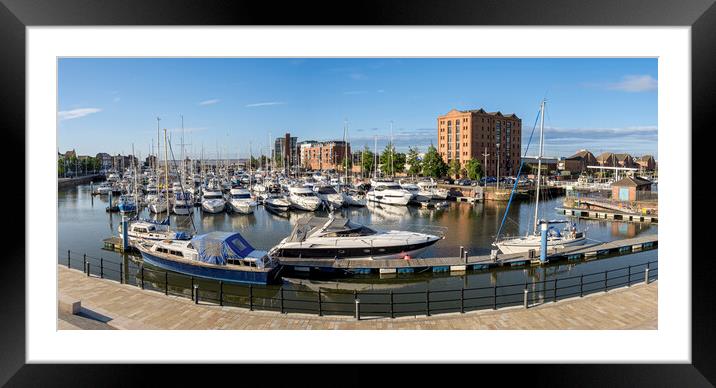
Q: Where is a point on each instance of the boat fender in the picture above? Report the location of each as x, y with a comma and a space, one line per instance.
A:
407, 257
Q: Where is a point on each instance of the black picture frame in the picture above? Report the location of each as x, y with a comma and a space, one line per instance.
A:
16, 15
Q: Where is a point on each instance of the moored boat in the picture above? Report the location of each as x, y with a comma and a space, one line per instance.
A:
218, 256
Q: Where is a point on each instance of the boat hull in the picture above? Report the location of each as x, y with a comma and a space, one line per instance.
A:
361, 253
211, 272
524, 245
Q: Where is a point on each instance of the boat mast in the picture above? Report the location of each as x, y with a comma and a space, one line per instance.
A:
345, 147
134, 168
392, 151
539, 164
375, 157
166, 169
156, 162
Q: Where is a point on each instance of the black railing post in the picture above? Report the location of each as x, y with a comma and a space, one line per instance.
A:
281, 289
581, 285
526, 296
462, 300
101, 268
196, 294
192, 288
221, 292
87, 268
605, 281
121, 274
166, 283
555, 290
251, 297
68, 258
494, 297
392, 309
142, 277
320, 310
84, 261
427, 302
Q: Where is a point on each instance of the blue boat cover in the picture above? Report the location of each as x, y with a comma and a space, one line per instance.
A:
218, 247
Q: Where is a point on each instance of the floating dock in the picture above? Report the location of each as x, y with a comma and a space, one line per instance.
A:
454, 264
609, 215
461, 264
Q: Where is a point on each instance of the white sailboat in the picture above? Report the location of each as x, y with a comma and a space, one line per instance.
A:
569, 236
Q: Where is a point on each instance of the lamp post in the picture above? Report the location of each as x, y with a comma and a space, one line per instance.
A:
485, 154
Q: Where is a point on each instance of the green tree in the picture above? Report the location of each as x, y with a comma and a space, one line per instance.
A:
473, 169
391, 162
454, 168
433, 164
367, 161
60, 166
416, 165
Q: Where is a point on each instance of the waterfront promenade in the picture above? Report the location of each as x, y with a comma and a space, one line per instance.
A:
122, 306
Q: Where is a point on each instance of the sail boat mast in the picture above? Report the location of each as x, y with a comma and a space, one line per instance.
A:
166, 170
539, 164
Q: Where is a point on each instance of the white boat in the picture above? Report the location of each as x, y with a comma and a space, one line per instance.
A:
389, 193
431, 189
570, 236
158, 205
303, 198
354, 198
341, 238
183, 203
567, 237
277, 204
212, 200
104, 188
329, 195
240, 201
143, 230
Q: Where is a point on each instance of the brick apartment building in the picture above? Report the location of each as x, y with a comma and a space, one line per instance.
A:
327, 155
470, 134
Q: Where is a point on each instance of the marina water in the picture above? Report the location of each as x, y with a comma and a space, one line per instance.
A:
83, 223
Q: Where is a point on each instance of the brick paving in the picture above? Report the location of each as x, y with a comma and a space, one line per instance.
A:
128, 307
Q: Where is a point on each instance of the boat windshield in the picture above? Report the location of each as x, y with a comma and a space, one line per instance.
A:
241, 196
306, 194
327, 190
212, 196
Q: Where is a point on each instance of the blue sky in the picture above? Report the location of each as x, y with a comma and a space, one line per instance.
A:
105, 105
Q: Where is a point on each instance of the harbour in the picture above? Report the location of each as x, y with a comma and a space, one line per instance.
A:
481, 219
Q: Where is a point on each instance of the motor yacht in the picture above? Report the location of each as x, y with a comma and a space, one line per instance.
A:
303, 198
341, 238
145, 230
212, 200
218, 256
240, 201
329, 195
388, 192
183, 203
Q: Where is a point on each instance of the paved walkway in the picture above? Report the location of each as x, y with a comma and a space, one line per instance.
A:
123, 306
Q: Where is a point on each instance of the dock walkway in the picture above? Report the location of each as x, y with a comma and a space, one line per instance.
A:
477, 262
128, 307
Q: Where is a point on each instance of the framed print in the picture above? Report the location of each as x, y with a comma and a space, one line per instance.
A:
417, 185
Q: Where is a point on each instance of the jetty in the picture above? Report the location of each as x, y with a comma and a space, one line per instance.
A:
466, 262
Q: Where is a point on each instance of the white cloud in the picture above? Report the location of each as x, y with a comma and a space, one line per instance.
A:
635, 84
358, 76
264, 104
209, 102
76, 113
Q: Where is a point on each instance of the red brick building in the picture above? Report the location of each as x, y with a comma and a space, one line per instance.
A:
470, 134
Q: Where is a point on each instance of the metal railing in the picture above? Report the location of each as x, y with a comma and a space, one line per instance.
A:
363, 304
